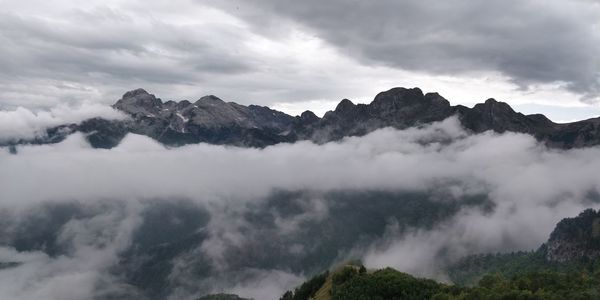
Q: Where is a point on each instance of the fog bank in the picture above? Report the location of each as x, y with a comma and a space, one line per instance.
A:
257, 221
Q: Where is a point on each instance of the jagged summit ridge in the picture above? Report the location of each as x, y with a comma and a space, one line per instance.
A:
213, 120
157, 119
134, 93
139, 102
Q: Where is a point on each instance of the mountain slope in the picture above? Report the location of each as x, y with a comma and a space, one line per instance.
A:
209, 119
573, 245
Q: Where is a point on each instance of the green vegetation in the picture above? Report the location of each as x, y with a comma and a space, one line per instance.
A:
222, 297
382, 284
566, 267
349, 283
308, 289
572, 247
535, 285
469, 270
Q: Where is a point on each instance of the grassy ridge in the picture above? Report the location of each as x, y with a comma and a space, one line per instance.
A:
351, 282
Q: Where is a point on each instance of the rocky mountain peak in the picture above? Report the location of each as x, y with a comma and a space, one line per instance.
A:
134, 93
436, 99
139, 102
402, 92
493, 104
540, 118
210, 100
183, 104
409, 100
308, 117
209, 119
398, 95
500, 117
344, 105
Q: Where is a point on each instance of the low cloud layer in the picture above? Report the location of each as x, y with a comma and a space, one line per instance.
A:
23, 123
257, 221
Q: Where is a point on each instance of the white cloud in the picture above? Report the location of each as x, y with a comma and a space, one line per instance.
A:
23, 123
94, 247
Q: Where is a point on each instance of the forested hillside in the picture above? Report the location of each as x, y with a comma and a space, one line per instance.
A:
537, 274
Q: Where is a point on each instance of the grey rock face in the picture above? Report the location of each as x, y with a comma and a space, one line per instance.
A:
575, 238
209, 119
500, 117
399, 108
139, 103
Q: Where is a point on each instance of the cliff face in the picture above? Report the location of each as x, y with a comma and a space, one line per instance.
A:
574, 244
575, 238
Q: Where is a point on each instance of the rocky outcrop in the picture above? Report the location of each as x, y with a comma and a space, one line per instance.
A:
500, 117
399, 108
575, 238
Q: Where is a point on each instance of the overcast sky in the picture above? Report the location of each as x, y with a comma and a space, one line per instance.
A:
295, 55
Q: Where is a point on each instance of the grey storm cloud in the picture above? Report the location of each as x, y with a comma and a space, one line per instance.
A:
98, 54
272, 52
124, 51
152, 50
530, 42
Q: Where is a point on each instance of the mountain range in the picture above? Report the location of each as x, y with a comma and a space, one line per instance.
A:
212, 120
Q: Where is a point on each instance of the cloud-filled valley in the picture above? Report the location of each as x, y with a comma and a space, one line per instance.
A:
145, 220
299, 150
